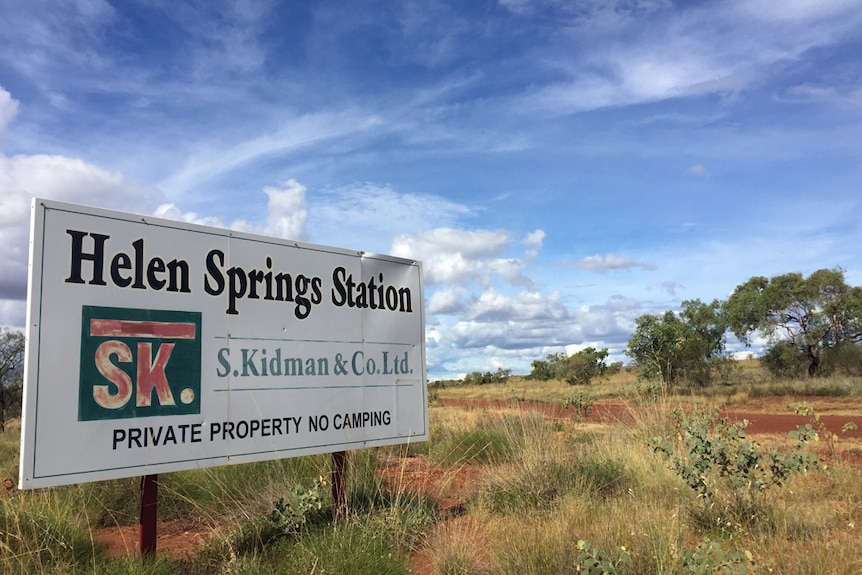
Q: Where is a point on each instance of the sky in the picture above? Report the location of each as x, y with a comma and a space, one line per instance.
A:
559, 167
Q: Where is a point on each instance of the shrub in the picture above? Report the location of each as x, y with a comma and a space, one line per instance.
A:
728, 471
487, 377
784, 360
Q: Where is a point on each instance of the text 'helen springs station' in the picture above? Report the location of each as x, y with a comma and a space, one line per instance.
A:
135, 270
195, 346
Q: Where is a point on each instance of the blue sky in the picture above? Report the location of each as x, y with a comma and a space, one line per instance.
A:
560, 167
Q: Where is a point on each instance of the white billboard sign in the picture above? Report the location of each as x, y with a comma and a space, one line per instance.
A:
157, 346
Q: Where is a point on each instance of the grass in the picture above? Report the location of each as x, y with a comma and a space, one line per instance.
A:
537, 486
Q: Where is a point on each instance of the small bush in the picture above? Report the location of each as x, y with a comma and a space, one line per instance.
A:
728, 471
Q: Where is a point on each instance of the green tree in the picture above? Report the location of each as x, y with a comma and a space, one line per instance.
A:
486, 377
11, 374
544, 370
673, 347
784, 360
814, 313
582, 367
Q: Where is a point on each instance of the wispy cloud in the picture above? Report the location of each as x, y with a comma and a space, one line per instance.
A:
609, 262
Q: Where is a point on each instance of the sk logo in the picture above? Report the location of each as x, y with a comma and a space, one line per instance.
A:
138, 363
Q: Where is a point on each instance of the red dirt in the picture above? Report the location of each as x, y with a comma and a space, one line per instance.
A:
614, 412
174, 539
451, 487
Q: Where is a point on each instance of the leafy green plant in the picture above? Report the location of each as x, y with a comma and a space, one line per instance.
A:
583, 405
819, 428
595, 562
289, 515
709, 557
514, 400
716, 459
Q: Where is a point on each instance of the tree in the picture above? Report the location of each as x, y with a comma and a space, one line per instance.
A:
486, 377
673, 347
544, 370
576, 369
814, 313
11, 374
582, 367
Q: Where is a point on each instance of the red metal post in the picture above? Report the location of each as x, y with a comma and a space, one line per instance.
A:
149, 515
339, 485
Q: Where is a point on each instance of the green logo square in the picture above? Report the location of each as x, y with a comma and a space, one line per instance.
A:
139, 363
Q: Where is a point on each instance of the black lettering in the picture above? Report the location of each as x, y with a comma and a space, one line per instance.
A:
238, 285
214, 270
120, 262
139, 264
339, 291
157, 266
78, 256
182, 267
119, 437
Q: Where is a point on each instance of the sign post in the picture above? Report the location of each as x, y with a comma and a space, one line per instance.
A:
156, 346
339, 485
149, 516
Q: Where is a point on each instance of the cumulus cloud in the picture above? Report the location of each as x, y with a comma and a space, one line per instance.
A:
172, 212
286, 213
448, 300
453, 255
525, 305
608, 262
612, 321
484, 307
57, 178
697, 170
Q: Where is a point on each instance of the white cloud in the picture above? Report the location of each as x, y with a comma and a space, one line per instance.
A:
802, 11
8, 109
210, 160
526, 305
368, 216
285, 214
448, 300
713, 48
603, 264
697, 170
172, 212
13, 314
56, 178
452, 255
286, 210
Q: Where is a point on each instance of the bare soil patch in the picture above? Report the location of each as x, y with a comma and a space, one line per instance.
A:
177, 539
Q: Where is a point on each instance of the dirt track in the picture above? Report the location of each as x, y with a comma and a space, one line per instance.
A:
618, 412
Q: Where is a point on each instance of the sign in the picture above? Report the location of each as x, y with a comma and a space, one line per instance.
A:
157, 346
